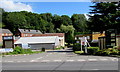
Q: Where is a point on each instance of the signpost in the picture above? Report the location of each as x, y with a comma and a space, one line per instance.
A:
85, 43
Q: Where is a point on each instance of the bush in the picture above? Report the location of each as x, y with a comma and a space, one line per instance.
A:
76, 47
107, 52
114, 52
19, 50
92, 50
26, 51
103, 53
99, 52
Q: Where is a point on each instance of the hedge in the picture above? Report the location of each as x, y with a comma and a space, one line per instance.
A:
76, 47
107, 52
92, 50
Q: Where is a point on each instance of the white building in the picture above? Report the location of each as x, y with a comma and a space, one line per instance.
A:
47, 42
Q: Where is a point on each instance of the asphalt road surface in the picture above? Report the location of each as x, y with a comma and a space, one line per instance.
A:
59, 61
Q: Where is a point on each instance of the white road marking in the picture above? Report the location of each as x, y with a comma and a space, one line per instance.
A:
114, 59
81, 60
104, 59
9, 61
45, 60
94, 69
92, 59
69, 60
40, 58
33, 61
18, 61
23, 61
57, 60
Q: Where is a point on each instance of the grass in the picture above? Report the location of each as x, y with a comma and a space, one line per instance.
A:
10, 53
79, 52
58, 48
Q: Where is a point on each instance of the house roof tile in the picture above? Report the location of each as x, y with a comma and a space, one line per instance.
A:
30, 31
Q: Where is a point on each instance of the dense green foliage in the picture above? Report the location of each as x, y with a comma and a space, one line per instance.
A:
76, 47
45, 22
19, 50
104, 16
92, 50
79, 22
107, 52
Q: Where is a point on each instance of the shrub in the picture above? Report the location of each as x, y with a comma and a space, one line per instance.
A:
76, 47
92, 50
99, 52
103, 52
114, 52
26, 51
107, 52
17, 50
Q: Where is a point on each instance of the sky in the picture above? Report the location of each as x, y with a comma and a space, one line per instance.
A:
59, 8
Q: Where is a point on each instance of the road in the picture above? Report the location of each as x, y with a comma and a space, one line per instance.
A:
59, 61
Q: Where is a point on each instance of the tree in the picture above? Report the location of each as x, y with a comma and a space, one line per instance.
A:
15, 20
66, 20
106, 16
46, 16
69, 32
79, 22
57, 21
1, 23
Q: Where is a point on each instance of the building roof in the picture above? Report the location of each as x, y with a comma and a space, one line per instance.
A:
33, 40
30, 31
50, 34
6, 31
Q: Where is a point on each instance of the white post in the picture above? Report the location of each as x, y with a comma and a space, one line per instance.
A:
85, 45
85, 49
81, 45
